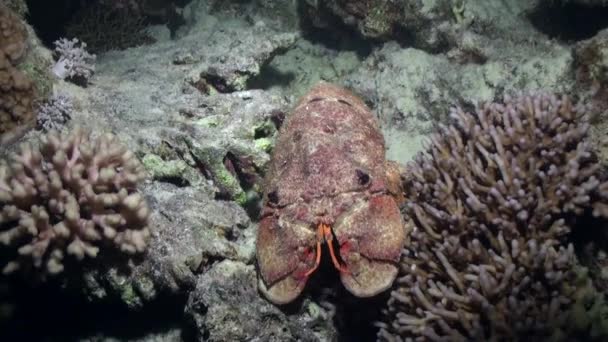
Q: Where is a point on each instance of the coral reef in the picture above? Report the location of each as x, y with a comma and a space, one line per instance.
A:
73, 62
68, 198
54, 113
492, 201
206, 150
17, 92
197, 165
228, 140
192, 231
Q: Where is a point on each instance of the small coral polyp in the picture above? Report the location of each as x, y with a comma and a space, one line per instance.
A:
68, 198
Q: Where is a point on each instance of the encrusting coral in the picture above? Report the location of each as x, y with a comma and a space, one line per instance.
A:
71, 197
492, 200
13, 34
16, 98
17, 91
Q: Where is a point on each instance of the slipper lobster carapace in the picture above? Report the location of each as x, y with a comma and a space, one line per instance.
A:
329, 182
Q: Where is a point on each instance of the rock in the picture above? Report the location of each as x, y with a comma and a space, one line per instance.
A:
226, 306
231, 70
281, 14
432, 26
591, 58
412, 90
205, 150
591, 67
191, 231
226, 138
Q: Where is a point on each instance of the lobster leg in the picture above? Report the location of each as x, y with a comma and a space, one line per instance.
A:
329, 238
318, 251
324, 233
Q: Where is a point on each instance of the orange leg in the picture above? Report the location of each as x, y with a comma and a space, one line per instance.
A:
318, 259
329, 238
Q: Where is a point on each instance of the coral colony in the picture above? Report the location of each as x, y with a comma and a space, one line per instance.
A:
68, 198
16, 89
490, 199
73, 61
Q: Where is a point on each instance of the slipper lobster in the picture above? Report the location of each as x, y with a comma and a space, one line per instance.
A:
328, 182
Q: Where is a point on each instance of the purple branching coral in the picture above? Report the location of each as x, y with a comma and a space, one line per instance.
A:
491, 200
73, 61
69, 198
54, 113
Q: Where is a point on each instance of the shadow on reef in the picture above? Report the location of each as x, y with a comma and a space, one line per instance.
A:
355, 317
49, 313
336, 35
590, 239
569, 22
97, 19
270, 77
49, 18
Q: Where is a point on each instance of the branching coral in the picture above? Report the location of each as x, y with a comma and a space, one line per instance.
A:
73, 61
491, 201
16, 90
54, 113
68, 198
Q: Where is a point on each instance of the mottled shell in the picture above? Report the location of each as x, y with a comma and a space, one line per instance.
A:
329, 167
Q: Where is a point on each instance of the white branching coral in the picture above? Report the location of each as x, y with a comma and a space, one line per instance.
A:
73, 61
54, 113
69, 198
491, 200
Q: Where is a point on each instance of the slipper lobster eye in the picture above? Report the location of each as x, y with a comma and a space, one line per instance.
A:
273, 197
362, 177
